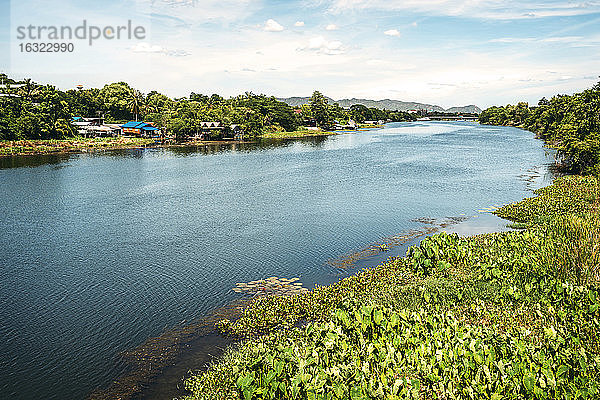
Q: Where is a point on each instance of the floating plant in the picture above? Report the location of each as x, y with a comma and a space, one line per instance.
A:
271, 286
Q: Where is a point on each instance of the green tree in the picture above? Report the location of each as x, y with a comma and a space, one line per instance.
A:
570, 124
135, 102
118, 102
320, 110
29, 90
84, 103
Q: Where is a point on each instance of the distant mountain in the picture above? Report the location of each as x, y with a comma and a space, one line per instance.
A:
385, 104
465, 109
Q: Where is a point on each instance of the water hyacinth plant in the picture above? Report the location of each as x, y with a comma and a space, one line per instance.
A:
500, 316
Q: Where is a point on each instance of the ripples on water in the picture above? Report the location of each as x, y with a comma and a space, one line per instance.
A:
102, 251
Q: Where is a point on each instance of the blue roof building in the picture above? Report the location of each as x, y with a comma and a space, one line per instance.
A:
139, 128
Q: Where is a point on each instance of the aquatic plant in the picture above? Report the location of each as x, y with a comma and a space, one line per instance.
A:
567, 195
500, 316
367, 351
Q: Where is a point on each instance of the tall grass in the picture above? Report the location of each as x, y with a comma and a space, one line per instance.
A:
572, 247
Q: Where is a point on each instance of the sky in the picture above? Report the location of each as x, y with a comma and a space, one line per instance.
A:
449, 53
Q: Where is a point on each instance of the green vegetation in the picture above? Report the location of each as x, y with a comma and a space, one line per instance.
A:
571, 124
360, 114
568, 195
500, 316
300, 133
320, 111
31, 111
39, 112
325, 116
75, 144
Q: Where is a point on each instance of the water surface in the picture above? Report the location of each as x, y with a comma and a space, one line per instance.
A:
101, 251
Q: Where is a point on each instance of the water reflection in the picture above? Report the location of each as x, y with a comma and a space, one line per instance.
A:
178, 150
33, 160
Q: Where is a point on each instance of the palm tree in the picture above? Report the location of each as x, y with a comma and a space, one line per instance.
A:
135, 102
29, 89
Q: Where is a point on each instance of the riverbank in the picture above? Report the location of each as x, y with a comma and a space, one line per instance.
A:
297, 134
497, 316
155, 368
567, 123
74, 145
313, 133
9, 148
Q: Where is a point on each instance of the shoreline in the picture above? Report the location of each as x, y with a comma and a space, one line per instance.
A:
492, 286
108, 145
199, 342
80, 145
69, 146
305, 134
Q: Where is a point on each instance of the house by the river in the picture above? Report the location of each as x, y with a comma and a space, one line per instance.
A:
135, 128
215, 129
94, 127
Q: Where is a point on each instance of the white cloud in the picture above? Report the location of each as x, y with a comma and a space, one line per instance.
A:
513, 40
272, 26
392, 32
578, 40
176, 53
331, 27
144, 47
472, 73
563, 39
492, 9
323, 46
299, 23
375, 61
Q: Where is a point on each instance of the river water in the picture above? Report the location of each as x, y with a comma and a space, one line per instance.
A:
99, 252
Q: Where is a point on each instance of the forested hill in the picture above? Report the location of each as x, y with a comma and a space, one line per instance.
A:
386, 104
569, 123
471, 109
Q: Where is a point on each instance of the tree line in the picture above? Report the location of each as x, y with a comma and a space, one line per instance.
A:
568, 123
29, 110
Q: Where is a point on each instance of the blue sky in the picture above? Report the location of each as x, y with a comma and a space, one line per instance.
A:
480, 52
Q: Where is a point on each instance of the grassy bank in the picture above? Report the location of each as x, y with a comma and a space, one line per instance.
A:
506, 315
307, 133
296, 134
77, 144
80, 144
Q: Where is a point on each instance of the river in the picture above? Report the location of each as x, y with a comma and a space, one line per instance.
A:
101, 251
